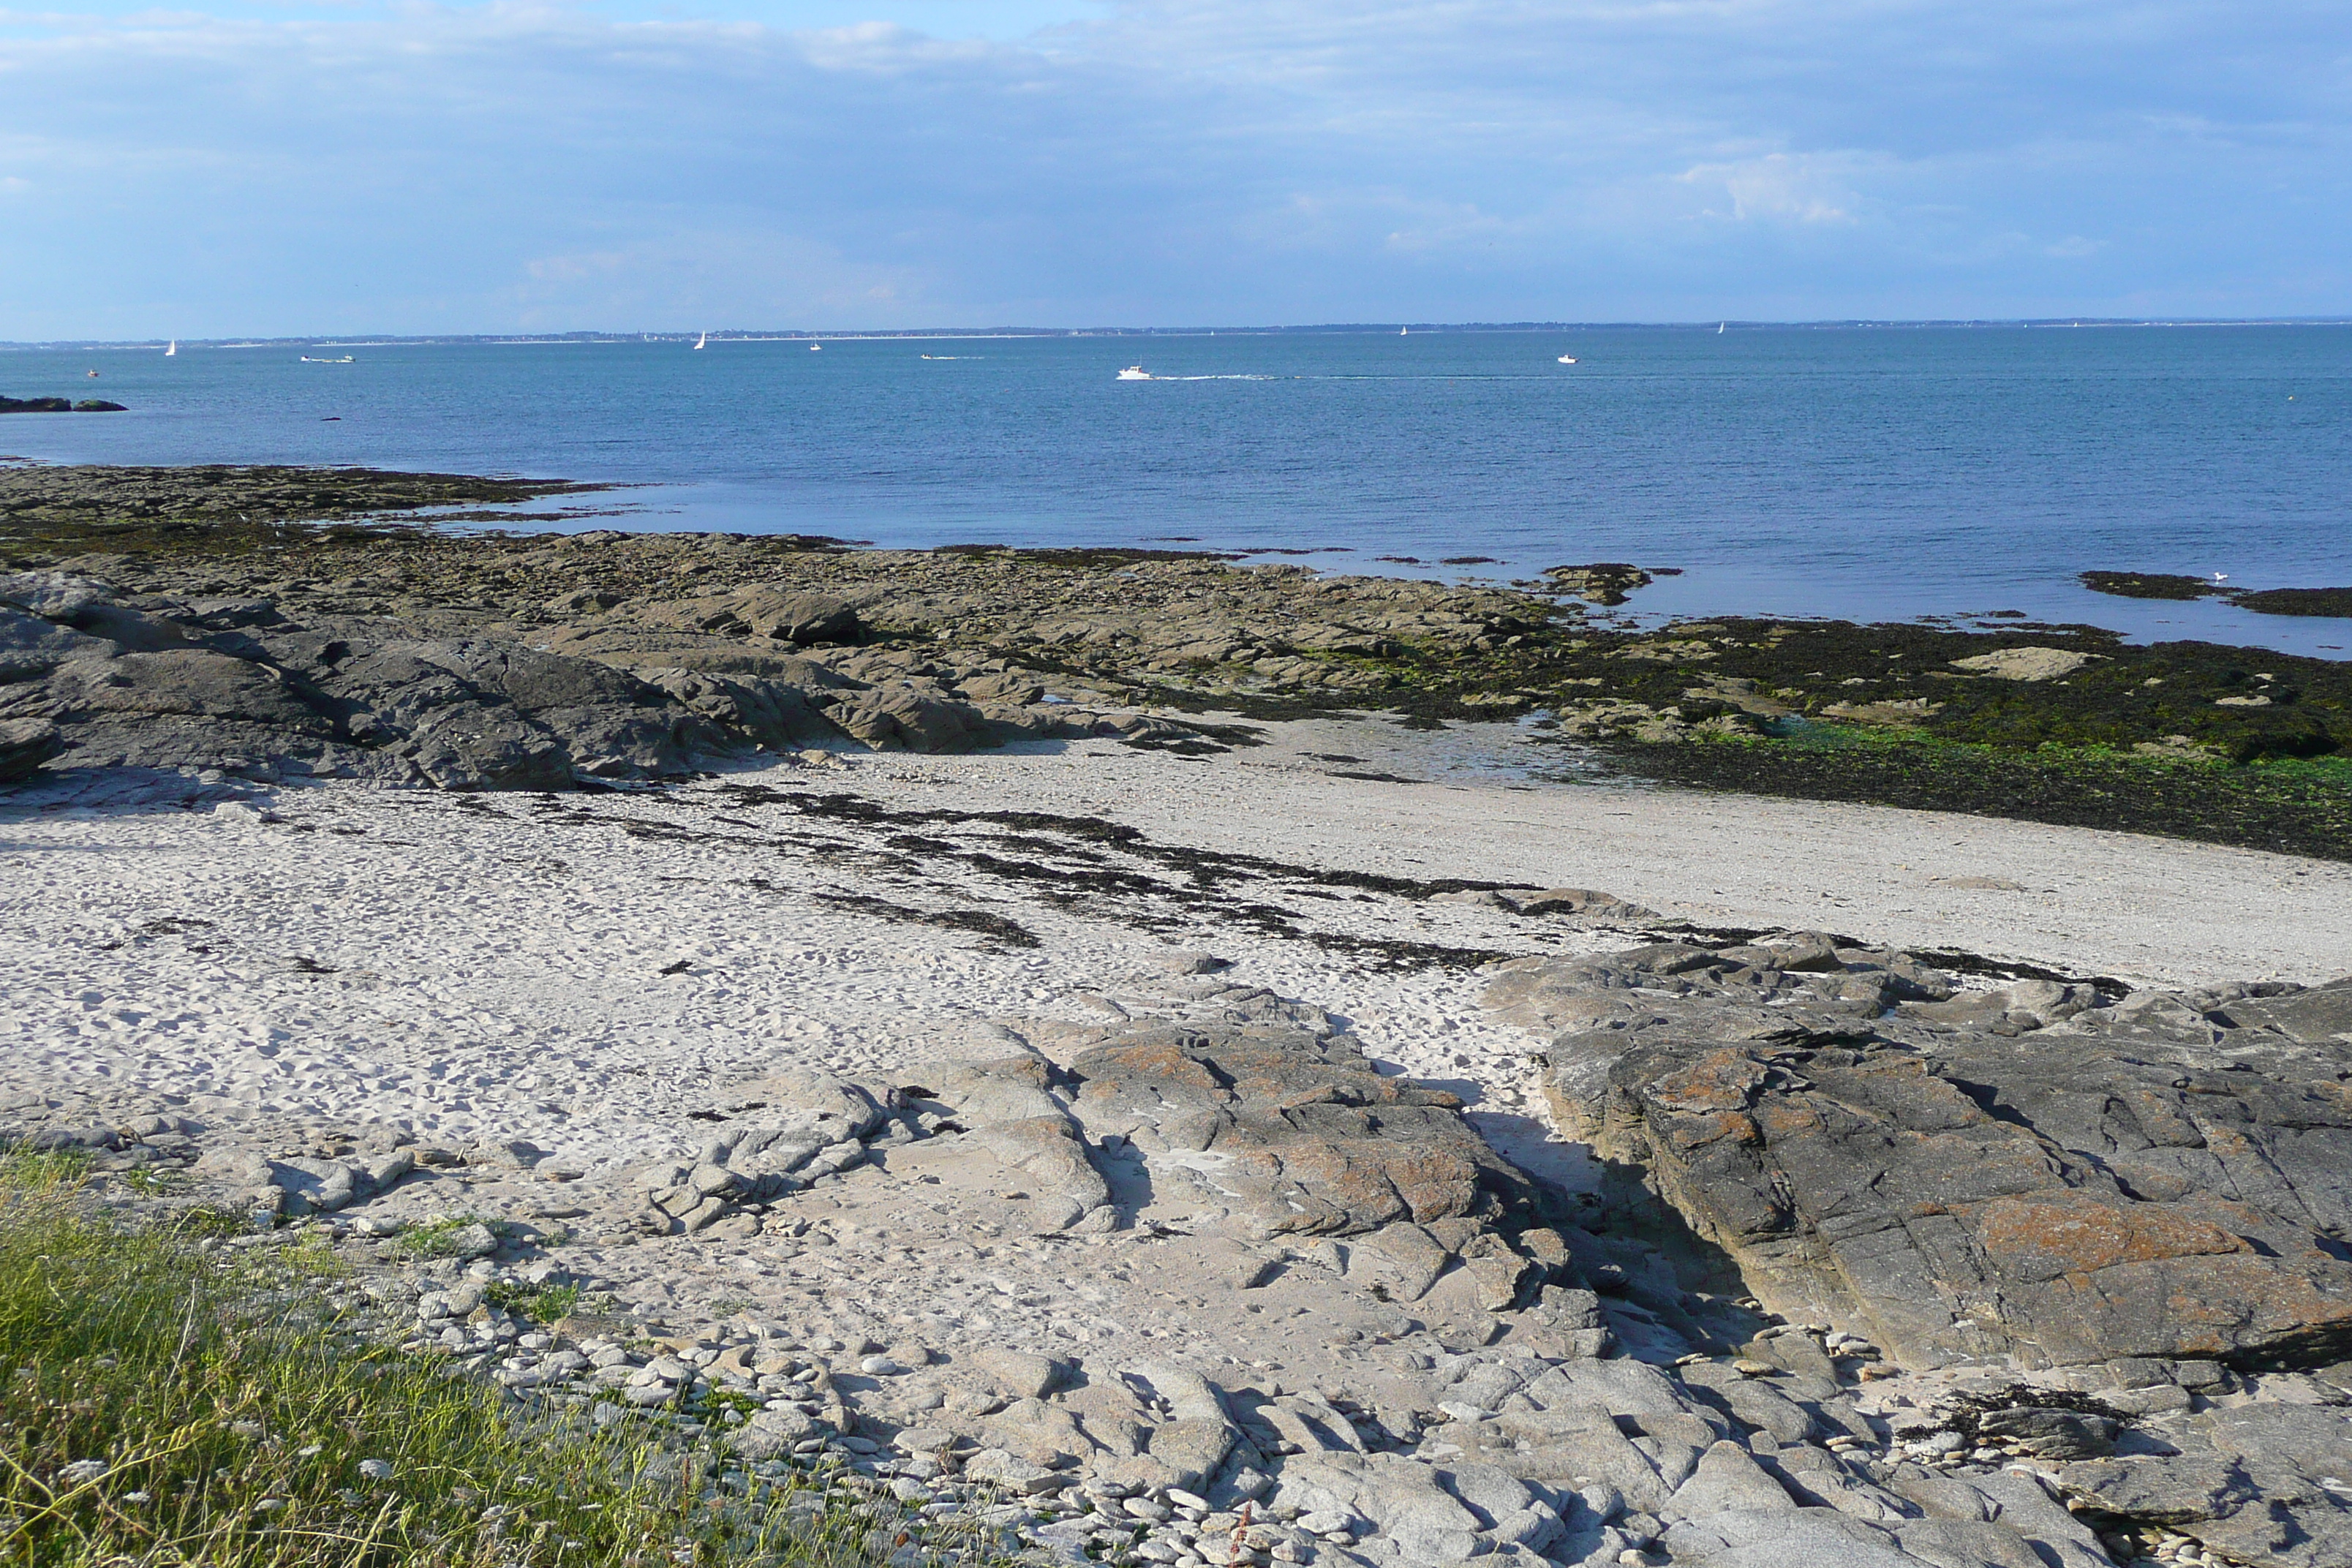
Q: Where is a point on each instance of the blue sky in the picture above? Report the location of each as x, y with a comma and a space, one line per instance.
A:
348, 165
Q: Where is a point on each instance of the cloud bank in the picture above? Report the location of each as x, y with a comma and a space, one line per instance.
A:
415, 168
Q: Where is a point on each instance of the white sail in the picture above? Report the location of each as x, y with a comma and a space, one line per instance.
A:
702, 339
173, 349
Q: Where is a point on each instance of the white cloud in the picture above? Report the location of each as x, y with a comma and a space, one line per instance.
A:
1779, 187
418, 166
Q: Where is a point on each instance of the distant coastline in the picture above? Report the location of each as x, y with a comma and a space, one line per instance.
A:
794, 334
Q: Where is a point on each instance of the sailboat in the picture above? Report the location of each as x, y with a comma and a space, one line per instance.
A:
173, 349
816, 347
1404, 332
1719, 326
702, 339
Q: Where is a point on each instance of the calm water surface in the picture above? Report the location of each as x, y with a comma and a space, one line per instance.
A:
1867, 473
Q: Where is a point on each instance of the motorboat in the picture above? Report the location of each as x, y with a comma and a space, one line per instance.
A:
1135, 373
1568, 359
308, 360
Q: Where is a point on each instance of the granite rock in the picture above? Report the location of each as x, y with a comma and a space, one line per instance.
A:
2156, 1176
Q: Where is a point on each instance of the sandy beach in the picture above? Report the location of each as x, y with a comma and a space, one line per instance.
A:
1014, 1029
491, 965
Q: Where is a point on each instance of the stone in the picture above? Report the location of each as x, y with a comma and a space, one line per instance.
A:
1414, 1258
2052, 1434
1805, 1538
774, 612
31, 646
2025, 663
907, 720
1302, 1136
183, 682
1727, 1479
25, 745
2162, 1180
1578, 903
1021, 1373
1192, 1450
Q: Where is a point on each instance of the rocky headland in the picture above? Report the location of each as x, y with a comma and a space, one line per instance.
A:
633, 957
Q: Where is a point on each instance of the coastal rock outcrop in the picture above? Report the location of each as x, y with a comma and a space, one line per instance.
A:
59, 405
235, 684
2043, 1173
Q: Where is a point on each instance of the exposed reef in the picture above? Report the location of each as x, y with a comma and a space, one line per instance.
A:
2057, 723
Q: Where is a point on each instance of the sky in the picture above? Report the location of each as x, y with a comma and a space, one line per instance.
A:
340, 166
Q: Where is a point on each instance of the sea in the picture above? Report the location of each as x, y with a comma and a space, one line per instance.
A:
1871, 473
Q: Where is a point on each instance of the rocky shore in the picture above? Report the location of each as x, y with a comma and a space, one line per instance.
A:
793, 995
253, 638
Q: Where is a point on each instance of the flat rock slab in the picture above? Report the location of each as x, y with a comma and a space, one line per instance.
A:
2040, 1172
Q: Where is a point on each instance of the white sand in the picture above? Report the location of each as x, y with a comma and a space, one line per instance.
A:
495, 959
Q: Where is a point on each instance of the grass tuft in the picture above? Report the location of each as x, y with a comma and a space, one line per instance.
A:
173, 1400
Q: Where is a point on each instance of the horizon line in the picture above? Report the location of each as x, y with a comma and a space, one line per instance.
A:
798, 334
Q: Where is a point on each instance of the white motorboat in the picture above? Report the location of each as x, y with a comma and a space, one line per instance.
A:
1568, 359
308, 360
1135, 373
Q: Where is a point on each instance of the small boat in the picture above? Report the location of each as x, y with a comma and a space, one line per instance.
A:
1719, 326
92, 374
816, 347
1404, 332
704, 339
172, 348
308, 360
1568, 359
1135, 373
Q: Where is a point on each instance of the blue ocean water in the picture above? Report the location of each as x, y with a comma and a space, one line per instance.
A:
1871, 473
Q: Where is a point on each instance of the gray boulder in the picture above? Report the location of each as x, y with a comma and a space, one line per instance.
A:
25, 745
1302, 1136
2166, 1178
31, 647
2260, 1483
778, 615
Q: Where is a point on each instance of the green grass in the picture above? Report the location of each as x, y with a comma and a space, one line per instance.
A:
539, 1303
439, 1237
173, 1400
2294, 805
